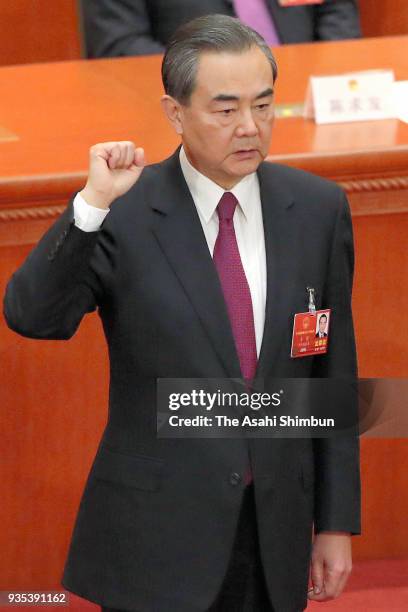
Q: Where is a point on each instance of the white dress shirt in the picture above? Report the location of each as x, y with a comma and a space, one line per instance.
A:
247, 220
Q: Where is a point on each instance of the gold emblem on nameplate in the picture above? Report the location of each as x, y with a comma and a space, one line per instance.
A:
287, 111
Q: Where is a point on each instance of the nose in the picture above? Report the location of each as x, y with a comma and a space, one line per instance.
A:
246, 125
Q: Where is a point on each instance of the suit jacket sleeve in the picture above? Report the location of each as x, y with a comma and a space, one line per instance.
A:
118, 27
337, 469
337, 20
57, 284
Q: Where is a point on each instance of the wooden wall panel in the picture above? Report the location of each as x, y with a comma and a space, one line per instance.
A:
384, 476
381, 294
39, 31
53, 400
380, 303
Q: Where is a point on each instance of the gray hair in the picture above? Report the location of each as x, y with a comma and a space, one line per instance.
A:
217, 33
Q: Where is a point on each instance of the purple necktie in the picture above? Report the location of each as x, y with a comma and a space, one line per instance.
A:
255, 13
236, 290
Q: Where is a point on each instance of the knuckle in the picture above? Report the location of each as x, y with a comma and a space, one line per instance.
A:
338, 569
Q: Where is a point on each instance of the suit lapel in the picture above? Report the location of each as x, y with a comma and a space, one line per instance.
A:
178, 230
280, 245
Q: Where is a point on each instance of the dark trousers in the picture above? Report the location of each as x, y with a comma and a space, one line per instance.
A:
243, 588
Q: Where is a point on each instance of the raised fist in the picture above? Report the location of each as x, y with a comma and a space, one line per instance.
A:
114, 167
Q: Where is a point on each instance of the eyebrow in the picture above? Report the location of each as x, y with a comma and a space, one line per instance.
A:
232, 98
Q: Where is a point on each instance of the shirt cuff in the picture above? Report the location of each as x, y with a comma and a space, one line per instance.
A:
88, 218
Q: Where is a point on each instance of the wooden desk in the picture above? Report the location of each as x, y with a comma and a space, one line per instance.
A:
56, 111
52, 415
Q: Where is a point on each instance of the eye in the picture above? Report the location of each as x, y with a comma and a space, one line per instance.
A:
227, 111
262, 106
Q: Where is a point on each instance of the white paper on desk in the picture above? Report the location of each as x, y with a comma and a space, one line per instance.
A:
354, 96
400, 100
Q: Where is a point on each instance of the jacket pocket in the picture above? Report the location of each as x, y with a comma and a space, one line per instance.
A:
137, 471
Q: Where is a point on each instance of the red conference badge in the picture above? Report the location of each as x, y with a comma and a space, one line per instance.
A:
310, 333
299, 2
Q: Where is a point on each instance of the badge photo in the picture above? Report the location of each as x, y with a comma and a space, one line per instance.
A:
310, 334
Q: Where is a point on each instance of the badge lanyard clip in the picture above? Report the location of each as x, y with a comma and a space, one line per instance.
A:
312, 306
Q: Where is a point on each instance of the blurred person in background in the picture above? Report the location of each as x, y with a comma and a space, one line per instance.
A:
143, 27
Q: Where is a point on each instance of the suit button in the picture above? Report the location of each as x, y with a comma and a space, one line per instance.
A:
235, 478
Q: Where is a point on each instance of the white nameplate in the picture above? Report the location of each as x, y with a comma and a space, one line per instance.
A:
355, 96
400, 96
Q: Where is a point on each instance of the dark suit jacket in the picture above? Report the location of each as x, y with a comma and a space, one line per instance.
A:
143, 27
157, 518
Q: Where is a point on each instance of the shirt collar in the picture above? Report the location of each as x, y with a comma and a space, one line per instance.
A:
206, 194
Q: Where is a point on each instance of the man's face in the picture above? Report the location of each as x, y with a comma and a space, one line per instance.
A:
322, 324
227, 126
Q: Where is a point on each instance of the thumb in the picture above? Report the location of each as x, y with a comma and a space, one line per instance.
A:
317, 575
139, 159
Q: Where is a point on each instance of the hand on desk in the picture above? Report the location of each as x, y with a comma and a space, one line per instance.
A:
114, 167
331, 564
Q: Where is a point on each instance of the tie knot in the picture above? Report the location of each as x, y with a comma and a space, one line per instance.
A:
226, 206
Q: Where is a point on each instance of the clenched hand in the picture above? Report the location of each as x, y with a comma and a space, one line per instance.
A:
114, 167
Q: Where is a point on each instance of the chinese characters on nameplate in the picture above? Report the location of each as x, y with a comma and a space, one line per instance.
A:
356, 96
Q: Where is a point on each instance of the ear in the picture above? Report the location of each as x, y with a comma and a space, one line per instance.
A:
172, 110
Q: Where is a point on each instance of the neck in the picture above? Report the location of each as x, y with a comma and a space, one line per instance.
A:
224, 184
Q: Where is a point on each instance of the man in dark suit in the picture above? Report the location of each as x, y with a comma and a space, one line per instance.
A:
144, 27
196, 266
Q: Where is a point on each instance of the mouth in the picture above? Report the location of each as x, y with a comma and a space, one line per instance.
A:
245, 153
